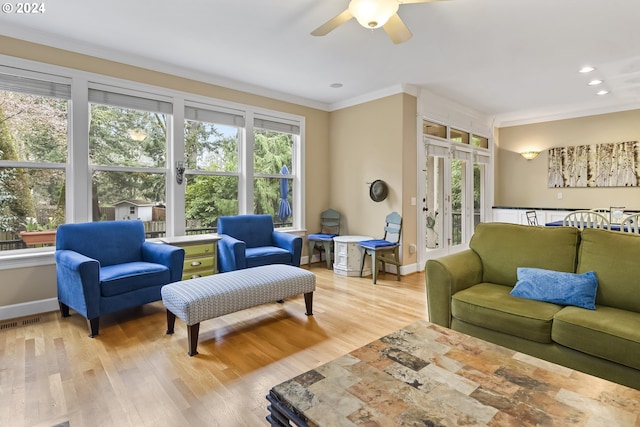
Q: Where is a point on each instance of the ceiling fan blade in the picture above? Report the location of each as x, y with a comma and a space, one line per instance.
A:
396, 30
332, 24
417, 1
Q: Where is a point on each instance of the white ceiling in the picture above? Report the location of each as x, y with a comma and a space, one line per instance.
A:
511, 59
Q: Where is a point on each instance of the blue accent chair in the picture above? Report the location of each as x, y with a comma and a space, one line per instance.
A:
323, 241
107, 266
383, 250
251, 241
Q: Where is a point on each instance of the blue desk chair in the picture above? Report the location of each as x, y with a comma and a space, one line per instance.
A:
323, 241
107, 266
384, 250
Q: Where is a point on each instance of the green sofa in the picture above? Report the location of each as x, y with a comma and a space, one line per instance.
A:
469, 291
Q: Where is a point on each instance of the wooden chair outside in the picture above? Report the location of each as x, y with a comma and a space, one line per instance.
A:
631, 224
323, 241
532, 217
586, 219
384, 250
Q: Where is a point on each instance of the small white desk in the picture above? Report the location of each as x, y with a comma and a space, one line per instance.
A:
347, 256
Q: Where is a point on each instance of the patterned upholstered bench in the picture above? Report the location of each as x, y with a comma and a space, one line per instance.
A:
207, 297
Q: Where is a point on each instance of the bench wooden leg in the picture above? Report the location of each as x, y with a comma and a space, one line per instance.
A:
192, 334
171, 322
308, 302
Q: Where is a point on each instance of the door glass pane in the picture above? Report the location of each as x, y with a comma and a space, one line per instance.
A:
478, 192
457, 200
434, 129
459, 136
434, 202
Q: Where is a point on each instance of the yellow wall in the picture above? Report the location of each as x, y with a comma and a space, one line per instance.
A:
523, 183
375, 140
37, 283
344, 150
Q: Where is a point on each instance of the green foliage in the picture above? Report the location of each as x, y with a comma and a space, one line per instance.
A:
15, 197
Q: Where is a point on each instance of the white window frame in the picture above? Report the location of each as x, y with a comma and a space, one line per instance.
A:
78, 169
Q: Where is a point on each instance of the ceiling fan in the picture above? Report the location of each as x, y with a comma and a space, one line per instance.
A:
373, 14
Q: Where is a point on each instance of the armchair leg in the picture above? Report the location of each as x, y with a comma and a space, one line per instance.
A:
94, 325
64, 309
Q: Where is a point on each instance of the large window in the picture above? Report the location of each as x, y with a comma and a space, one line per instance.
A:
212, 138
81, 147
273, 156
33, 158
128, 158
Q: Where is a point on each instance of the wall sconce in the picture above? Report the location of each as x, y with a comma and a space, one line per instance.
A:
179, 172
529, 155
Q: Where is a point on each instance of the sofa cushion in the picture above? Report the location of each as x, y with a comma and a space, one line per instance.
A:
613, 255
557, 287
607, 332
505, 247
122, 278
490, 306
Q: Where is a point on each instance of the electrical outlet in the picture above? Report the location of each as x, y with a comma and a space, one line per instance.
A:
559, 196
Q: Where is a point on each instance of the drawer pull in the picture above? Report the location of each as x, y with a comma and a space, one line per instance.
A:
195, 263
195, 276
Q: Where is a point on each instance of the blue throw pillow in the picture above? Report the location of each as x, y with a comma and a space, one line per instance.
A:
557, 287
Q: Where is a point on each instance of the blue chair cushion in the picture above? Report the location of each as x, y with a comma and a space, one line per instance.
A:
127, 277
321, 236
376, 244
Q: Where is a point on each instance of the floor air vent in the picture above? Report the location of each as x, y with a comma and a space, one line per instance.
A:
23, 322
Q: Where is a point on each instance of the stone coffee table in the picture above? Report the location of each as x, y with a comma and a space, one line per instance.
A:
427, 375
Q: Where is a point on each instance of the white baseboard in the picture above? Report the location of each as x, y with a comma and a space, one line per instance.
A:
28, 308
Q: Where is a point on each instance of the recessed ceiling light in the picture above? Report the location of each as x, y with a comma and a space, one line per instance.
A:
602, 92
586, 69
595, 82
336, 85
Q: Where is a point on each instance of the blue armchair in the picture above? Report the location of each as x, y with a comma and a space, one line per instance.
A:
103, 267
250, 241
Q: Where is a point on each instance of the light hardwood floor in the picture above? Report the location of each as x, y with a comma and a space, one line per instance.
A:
133, 374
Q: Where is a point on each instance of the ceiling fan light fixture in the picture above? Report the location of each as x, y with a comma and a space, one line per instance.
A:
373, 13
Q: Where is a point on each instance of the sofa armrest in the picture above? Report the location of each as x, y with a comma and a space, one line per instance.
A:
447, 275
78, 279
291, 243
231, 253
170, 256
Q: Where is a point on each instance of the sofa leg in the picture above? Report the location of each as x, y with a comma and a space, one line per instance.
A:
64, 309
171, 322
308, 302
192, 335
94, 325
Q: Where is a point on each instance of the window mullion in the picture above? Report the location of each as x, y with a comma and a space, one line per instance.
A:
78, 187
245, 184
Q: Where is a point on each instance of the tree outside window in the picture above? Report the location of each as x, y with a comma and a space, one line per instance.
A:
33, 155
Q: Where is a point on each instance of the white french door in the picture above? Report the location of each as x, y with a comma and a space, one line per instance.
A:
451, 186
